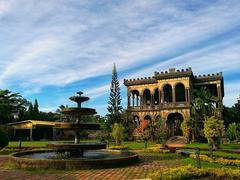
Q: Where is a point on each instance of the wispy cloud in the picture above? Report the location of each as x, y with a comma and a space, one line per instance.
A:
57, 43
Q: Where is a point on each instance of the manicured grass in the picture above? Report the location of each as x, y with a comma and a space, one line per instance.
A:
133, 145
217, 153
205, 145
15, 144
197, 145
230, 146
35, 144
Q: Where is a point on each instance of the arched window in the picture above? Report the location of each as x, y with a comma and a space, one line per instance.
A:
136, 98
147, 117
180, 92
167, 91
156, 97
147, 97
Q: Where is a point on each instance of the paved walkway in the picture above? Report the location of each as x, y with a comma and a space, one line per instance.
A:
139, 171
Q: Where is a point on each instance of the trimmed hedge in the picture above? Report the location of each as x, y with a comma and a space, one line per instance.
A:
3, 139
189, 172
118, 147
156, 150
219, 160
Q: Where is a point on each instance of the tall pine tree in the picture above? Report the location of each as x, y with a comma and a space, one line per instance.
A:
30, 111
35, 110
114, 103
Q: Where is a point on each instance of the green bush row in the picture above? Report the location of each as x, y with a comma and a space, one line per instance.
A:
189, 172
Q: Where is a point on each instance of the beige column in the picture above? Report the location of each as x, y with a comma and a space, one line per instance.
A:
220, 104
31, 133
159, 100
162, 96
186, 96
173, 95
137, 100
219, 90
132, 100
152, 100
129, 100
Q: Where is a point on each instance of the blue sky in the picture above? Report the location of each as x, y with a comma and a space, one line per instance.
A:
51, 49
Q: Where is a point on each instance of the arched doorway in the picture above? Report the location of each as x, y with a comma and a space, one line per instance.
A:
173, 123
180, 92
146, 97
167, 91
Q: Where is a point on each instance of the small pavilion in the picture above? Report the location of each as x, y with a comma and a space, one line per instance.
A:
34, 129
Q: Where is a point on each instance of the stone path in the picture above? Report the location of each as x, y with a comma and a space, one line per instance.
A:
139, 171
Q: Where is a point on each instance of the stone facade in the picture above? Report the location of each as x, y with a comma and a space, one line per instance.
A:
170, 92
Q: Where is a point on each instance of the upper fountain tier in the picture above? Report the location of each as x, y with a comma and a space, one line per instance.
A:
78, 111
79, 98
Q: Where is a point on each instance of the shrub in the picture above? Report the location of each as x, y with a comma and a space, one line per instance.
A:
118, 133
213, 130
185, 127
156, 149
3, 139
233, 132
223, 161
189, 172
118, 147
179, 173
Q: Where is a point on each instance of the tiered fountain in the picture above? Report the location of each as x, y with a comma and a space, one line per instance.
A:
77, 155
75, 113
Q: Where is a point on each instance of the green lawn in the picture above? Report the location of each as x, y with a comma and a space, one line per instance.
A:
15, 144
217, 153
35, 144
205, 145
133, 145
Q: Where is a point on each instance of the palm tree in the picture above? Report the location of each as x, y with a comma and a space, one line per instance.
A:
202, 105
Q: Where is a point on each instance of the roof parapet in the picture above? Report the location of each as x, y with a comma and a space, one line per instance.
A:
213, 75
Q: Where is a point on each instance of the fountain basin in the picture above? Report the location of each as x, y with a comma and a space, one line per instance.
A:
81, 146
78, 126
79, 111
49, 159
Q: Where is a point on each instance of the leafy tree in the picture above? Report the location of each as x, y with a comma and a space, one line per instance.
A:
128, 123
11, 106
118, 133
3, 138
229, 115
203, 105
114, 103
141, 128
232, 114
186, 129
213, 130
233, 132
159, 131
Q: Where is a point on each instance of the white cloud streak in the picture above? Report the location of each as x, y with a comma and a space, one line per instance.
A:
56, 43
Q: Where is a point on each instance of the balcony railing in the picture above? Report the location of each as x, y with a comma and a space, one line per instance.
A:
159, 106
